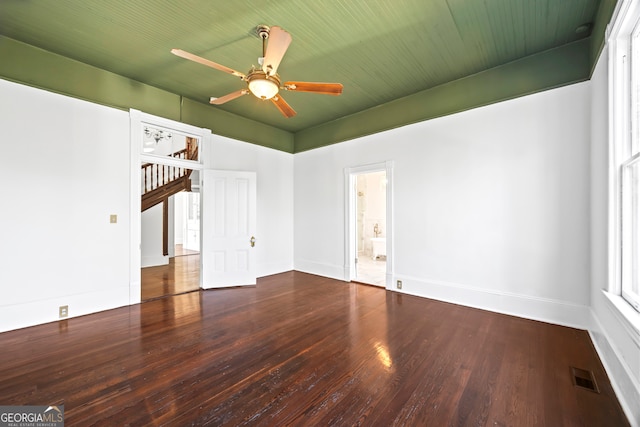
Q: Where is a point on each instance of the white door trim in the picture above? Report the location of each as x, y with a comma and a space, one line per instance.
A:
350, 214
136, 121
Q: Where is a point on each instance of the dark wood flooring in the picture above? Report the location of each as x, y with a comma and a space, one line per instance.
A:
299, 349
181, 275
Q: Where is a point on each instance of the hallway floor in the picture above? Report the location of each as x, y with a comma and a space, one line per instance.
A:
182, 274
372, 272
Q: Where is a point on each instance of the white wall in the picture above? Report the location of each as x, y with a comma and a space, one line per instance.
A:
618, 346
491, 205
65, 164
274, 170
491, 210
65, 170
151, 238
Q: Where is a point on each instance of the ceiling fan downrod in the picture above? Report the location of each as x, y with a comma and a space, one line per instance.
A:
263, 33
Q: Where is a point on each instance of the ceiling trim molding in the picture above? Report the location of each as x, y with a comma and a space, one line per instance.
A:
39, 68
557, 67
233, 126
553, 68
599, 30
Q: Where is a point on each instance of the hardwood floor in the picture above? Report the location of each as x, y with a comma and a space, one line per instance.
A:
181, 275
299, 349
181, 250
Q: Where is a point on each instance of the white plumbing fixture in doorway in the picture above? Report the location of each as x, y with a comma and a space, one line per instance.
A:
378, 247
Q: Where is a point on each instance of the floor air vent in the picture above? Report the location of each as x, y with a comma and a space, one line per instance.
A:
584, 379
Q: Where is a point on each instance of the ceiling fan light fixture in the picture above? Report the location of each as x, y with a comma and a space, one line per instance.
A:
262, 85
264, 82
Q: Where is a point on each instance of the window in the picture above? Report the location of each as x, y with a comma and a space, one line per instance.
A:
630, 230
625, 132
157, 141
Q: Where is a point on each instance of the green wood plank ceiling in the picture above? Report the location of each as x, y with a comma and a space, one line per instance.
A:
400, 62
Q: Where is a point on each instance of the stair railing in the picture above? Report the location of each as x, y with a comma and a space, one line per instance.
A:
155, 175
159, 182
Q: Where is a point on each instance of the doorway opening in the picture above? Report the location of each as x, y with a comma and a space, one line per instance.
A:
181, 271
186, 233
177, 269
369, 224
169, 157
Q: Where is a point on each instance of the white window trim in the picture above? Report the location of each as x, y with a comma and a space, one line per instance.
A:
626, 315
619, 129
625, 212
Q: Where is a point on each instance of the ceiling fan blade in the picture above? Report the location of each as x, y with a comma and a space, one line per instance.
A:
278, 43
229, 97
324, 88
191, 57
282, 105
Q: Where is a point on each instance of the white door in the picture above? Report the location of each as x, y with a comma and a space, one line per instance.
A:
228, 228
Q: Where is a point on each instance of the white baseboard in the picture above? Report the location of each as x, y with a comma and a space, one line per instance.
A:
45, 311
319, 269
274, 268
525, 306
529, 307
152, 261
135, 291
626, 389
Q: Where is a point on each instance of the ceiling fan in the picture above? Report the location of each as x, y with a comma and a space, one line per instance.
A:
264, 82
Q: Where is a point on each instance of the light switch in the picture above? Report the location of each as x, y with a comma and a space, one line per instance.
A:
113, 219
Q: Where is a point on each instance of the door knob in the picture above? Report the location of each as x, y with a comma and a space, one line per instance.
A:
252, 241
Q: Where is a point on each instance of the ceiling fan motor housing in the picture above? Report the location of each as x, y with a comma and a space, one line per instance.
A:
262, 31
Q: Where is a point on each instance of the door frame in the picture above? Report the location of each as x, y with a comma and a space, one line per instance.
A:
137, 120
350, 240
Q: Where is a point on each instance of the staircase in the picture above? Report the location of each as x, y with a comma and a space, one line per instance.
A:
159, 182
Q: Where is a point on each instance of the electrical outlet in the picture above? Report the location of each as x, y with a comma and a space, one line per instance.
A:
399, 284
113, 219
63, 311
